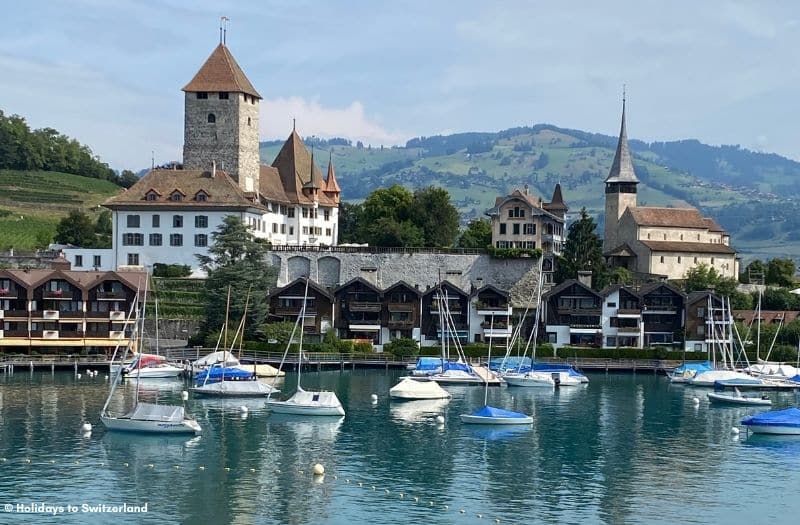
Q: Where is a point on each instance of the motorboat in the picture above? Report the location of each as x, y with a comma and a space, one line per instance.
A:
709, 377
530, 379
309, 404
224, 358
152, 366
737, 398
496, 416
783, 422
409, 389
153, 418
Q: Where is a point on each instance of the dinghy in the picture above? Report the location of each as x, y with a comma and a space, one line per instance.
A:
737, 398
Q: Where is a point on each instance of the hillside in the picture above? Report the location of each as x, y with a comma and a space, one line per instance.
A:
727, 182
32, 202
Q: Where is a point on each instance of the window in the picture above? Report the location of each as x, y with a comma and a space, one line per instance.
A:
79, 260
133, 259
274, 227
223, 95
212, 119
502, 228
283, 228
530, 229
176, 239
701, 330
516, 212
712, 260
695, 260
176, 196
97, 261
662, 259
611, 341
305, 230
305, 213
611, 305
327, 215
328, 232
290, 213
291, 230
665, 236
202, 95
318, 231
201, 239
515, 228
679, 259
133, 221
201, 221
201, 196
648, 236
177, 221
133, 239
701, 312
698, 347
248, 121
155, 239
156, 221
698, 236
681, 236
151, 196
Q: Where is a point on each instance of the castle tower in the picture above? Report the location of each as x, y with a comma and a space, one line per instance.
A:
620, 187
221, 120
332, 188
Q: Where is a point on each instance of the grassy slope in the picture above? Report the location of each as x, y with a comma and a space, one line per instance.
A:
32, 203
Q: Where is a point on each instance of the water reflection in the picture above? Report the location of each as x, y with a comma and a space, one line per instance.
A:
417, 411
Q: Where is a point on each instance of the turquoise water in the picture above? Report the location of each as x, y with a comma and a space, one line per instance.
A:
623, 449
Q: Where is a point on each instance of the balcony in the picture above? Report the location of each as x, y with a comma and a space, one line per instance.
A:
14, 333
70, 334
96, 334
578, 311
552, 237
628, 329
502, 332
74, 314
110, 296
6, 293
660, 309
401, 307
363, 327
629, 312
661, 327
50, 334
454, 308
364, 306
294, 311
116, 316
116, 334
50, 315
400, 325
57, 294
488, 311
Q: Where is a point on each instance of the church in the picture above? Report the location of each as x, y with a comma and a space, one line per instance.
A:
168, 216
663, 242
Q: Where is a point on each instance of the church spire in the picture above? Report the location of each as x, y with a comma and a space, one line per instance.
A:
622, 167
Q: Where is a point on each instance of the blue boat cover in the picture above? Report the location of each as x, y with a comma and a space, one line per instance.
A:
451, 365
510, 363
789, 417
698, 367
222, 374
428, 363
488, 411
795, 379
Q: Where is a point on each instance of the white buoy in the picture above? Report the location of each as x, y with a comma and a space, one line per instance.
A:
86, 427
185, 395
105, 377
374, 398
243, 409
735, 431
78, 376
696, 401
440, 420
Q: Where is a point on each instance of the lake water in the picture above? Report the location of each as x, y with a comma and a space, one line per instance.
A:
622, 449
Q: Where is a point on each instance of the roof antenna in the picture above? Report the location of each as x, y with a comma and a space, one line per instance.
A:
152, 160
294, 124
223, 29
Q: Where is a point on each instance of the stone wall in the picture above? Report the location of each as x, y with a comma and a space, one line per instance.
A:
422, 270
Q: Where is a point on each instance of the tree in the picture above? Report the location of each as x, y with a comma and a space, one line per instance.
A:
478, 234
236, 261
278, 332
703, 277
436, 216
583, 250
102, 230
780, 272
76, 229
349, 222
754, 270
127, 178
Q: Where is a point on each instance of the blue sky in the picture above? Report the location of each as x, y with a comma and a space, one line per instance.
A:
110, 73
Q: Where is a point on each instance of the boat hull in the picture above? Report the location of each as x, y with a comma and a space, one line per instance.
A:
235, 389
495, 420
155, 373
774, 429
540, 382
738, 400
188, 426
284, 407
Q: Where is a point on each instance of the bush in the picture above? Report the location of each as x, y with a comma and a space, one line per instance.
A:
362, 347
403, 347
513, 253
171, 270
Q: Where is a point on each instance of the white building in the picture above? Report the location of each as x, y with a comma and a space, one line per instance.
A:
169, 215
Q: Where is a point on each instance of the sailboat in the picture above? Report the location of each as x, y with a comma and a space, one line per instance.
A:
302, 402
146, 417
488, 415
223, 381
152, 366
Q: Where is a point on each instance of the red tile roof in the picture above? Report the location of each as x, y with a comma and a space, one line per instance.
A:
220, 72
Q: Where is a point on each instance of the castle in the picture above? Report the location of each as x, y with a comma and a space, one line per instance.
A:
169, 214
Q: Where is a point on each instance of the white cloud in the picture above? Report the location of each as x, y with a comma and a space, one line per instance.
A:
313, 119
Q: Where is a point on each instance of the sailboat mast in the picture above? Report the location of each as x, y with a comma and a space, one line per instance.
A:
758, 328
118, 374
302, 329
488, 363
155, 297
225, 327
141, 342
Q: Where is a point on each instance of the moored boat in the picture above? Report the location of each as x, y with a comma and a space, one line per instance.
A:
737, 398
781, 422
496, 416
410, 389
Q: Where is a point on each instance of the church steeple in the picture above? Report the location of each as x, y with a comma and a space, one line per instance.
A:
622, 167
620, 187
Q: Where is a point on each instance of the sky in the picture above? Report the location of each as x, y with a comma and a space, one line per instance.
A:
110, 73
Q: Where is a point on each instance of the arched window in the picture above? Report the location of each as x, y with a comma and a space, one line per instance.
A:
212, 118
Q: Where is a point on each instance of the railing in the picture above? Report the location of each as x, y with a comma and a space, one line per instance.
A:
110, 296
578, 311
8, 314
628, 329
629, 311
376, 249
71, 315
57, 294
400, 324
364, 306
401, 307
8, 294
97, 334
70, 334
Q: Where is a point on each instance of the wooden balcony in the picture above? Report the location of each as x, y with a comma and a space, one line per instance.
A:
399, 325
628, 329
401, 307
629, 311
364, 306
15, 314
294, 311
6, 293
579, 311
110, 296
57, 295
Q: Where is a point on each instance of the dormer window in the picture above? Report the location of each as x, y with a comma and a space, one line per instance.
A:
176, 196
151, 195
201, 196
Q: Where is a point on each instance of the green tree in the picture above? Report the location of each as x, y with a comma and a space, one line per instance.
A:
349, 222
76, 229
435, 215
102, 230
236, 261
620, 275
779, 299
478, 234
127, 178
278, 332
755, 270
583, 250
780, 272
700, 277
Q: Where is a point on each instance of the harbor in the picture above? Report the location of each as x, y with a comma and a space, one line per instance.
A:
394, 462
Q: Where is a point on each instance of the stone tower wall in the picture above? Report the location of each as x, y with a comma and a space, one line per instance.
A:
249, 159
616, 204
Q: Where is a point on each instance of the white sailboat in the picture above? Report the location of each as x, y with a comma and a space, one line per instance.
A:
146, 417
302, 402
228, 387
488, 415
152, 366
